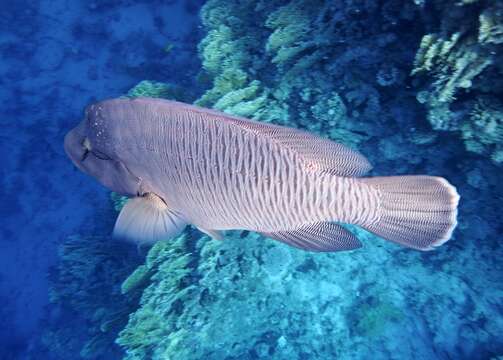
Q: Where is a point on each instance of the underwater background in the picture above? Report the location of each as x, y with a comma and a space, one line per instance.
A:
415, 85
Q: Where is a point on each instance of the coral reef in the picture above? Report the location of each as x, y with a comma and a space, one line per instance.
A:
118, 201
305, 75
313, 50
340, 69
250, 297
483, 132
167, 268
160, 90
462, 69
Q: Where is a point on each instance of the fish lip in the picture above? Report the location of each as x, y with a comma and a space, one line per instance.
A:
73, 145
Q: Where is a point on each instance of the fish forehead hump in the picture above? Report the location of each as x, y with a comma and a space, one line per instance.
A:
138, 116
147, 123
127, 123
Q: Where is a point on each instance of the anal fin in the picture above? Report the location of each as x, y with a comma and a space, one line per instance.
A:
215, 234
147, 219
318, 237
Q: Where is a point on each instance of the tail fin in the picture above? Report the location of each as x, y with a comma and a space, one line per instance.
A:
415, 211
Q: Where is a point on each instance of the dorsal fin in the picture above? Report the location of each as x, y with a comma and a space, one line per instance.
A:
319, 237
319, 154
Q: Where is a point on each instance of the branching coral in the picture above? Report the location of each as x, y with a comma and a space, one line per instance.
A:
283, 61
295, 30
455, 64
491, 25
334, 68
460, 59
483, 132
242, 102
118, 201
229, 54
162, 301
159, 90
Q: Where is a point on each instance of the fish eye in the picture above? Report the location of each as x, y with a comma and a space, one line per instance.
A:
86, 143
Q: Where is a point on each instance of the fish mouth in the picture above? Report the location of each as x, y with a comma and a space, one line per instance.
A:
77, 146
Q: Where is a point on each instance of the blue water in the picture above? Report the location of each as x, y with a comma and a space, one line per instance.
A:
58, 56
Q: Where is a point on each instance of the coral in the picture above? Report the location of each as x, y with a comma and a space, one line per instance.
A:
158, 90
422, 138
228, 51
389, 75
329, 110
138, 278
87, 282
242, 102
228, 81
248, 296
375, 318
331, 117
305, 66
491, 25
294, 30
483, 132
463, 63
150, 326
276, 261
186, 316
441, 117
455, 63
118, 201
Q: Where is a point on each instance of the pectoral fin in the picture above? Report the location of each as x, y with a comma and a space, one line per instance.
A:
147, 219
320, 237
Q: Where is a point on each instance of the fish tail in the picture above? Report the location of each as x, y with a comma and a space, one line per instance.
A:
415, 211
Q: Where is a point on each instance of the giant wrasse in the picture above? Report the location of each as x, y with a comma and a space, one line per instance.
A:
189, 165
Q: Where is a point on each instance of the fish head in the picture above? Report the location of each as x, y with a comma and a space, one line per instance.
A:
90, 147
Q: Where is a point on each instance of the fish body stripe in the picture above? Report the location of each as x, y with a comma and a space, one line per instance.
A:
222, 177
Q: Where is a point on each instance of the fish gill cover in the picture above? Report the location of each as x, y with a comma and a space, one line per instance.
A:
416, 86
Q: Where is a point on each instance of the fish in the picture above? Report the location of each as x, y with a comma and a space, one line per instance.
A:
187, 165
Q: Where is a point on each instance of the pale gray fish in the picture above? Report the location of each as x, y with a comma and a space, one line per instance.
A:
189, 165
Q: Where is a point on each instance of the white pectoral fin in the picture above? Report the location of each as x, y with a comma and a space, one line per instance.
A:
147, 219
